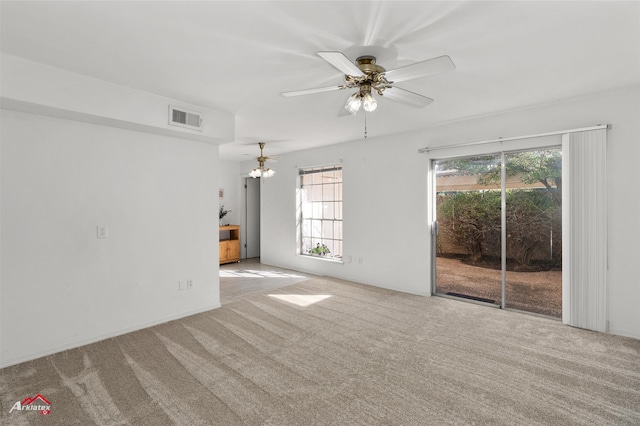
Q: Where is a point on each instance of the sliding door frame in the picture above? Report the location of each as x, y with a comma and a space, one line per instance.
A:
469, 150
591, 309
462, 151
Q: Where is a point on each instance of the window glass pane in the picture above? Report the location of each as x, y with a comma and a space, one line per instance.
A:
306, 245
307, 210
316, 228
327, 192
310, 192
337, 230
306, 227
328, 210
338, 211
339, 175
338, 192
329, 246
327, 230
337, 248
316, 211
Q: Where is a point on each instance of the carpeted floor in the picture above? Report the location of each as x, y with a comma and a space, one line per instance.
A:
328, 352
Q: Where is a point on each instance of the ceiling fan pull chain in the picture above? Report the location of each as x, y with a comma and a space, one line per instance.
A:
365, 124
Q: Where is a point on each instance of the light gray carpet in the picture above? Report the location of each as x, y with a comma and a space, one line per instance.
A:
364, 356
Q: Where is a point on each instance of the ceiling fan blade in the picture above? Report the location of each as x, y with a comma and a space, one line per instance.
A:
310, 91
338, 60
406, 97
271, 160
421, 69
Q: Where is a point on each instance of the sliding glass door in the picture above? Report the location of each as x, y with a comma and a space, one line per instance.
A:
499, 236
533, 203
469, 229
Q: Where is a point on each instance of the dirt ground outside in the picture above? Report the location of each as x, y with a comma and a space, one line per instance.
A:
539, 292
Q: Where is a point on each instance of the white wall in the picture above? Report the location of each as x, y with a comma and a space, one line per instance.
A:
78, 152
61, 286
32, 87
385, 206
384, 213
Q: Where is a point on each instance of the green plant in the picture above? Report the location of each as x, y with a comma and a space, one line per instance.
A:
538, 166
468, 218
532, 216
471, 220
223, 212
320, 250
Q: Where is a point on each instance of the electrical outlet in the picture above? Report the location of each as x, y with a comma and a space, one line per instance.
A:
185, 284
360, 260
349, 259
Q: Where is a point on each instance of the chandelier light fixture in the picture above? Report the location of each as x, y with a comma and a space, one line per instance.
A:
261, 171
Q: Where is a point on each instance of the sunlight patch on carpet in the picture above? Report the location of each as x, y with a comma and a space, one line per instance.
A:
251, 273
301, 299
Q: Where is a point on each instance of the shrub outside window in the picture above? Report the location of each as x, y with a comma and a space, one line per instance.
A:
321, 212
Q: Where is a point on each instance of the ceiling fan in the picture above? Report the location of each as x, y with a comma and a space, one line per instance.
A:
261, 171
367, 77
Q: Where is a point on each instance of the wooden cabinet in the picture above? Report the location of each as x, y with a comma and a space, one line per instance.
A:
229, 244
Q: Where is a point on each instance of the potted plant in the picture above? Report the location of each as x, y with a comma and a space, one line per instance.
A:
320, 250
223, 213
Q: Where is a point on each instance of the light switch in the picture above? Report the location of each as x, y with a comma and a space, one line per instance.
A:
103, 231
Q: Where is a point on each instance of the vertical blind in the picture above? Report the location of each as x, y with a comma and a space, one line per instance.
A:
584, 274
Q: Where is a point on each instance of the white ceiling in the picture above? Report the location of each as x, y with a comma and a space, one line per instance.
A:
239, 56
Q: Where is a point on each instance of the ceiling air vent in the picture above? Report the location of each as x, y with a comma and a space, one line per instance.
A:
183, 118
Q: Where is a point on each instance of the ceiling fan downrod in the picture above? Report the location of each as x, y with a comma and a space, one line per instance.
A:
368, 65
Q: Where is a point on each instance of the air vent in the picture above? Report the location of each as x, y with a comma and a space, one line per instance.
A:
183, 118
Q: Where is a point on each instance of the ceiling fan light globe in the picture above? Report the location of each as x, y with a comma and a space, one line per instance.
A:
369, 103
255, 173
268, 173
353, 103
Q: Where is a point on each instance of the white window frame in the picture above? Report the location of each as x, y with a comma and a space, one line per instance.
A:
302, 249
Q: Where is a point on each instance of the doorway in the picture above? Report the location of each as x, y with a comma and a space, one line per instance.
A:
252, 218
498, 223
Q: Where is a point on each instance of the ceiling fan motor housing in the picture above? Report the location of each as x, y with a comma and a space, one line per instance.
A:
373, 76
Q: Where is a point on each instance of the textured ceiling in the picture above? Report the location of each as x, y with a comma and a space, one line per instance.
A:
239, 56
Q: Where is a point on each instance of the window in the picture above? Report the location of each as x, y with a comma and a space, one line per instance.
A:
321, 212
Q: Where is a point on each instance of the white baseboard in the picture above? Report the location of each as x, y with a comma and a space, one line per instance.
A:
106, 336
